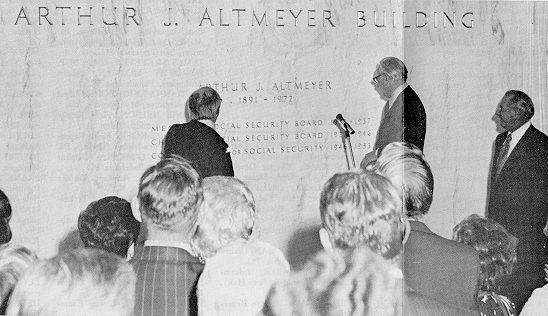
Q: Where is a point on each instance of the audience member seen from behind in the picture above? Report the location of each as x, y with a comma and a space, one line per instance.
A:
5, 216
339, 283
361, 208
497, 251
82, 282
167, 271
436, 267
14, 260
239, 269
108, 224
364, 208
197, 139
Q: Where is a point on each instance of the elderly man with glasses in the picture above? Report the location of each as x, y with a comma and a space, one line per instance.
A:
403, 117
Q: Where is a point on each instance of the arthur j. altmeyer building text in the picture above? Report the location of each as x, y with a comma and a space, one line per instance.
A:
241, 17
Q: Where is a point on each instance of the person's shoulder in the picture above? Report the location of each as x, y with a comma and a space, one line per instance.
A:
409, 92
175, 129
542, 137
411, 96
268, 252
427, 238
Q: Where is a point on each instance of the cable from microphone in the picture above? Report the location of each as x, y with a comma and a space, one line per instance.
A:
344, 123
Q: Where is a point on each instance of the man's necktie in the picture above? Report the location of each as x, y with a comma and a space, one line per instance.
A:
503, 154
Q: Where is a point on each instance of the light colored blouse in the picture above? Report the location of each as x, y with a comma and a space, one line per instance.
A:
237, 279
537, 304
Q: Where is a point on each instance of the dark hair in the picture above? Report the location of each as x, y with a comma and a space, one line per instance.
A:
108, 224
170, 192
204, 103
522, 101
496, 247
5, 216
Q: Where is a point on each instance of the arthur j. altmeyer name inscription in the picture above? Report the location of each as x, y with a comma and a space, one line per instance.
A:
239, 17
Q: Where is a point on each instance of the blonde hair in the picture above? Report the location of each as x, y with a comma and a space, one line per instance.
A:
84, 281
226, 214
170, 192
363, 208
405, 165
14, 260
352, 282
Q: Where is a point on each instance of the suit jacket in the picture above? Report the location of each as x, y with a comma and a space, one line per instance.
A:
166, 281
415, 304
405, 121
201, 145
442, 269
518, 200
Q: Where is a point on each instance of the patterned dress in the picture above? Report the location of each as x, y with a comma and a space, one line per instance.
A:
492, 304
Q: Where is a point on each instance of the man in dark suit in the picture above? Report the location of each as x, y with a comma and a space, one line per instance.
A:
442, 269
197, 139
415, 304
5, 216
403, 118
167, 272
518, 197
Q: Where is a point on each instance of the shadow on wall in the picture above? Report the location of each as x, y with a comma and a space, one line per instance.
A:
303, 245
70, 241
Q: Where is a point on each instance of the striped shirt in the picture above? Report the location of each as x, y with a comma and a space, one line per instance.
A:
166, 281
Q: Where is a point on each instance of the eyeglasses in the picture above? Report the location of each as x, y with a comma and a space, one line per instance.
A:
376, 78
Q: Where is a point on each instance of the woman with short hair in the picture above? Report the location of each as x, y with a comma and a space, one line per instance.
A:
497, 251
239, 270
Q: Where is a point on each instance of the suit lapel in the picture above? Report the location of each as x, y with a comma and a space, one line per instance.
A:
387, 120
518, 151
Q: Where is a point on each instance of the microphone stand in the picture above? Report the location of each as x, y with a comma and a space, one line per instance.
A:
345, 137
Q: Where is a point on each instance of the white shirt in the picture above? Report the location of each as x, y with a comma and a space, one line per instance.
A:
396, 93
168, 243
517, 135
537, 304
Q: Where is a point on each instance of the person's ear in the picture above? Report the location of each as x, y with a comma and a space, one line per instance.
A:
325, 240
135, 209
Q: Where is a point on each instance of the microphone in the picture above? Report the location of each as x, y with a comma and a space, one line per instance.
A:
345, 124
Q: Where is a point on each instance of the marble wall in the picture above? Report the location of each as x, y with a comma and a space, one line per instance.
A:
90, 88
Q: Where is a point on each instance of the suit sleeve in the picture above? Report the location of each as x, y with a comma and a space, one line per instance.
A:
169, 143
414, 122
221, 161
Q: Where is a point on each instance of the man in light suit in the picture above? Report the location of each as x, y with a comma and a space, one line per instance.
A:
403, 118
167, 272
518, 197
442, 269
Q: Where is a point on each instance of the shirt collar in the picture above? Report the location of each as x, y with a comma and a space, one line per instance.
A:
168, 243
518, 134
208, 123
396, 93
